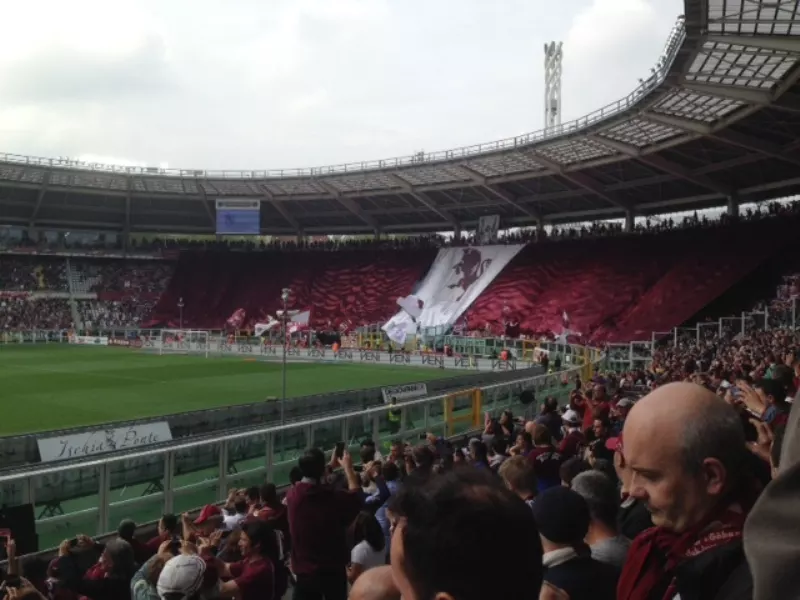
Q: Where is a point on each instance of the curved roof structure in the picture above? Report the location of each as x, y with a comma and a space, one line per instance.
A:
718, 118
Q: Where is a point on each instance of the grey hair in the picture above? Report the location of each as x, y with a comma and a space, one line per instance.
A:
601, 495
715, 431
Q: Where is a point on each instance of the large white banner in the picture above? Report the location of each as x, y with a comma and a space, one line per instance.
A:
101, 441
456, 279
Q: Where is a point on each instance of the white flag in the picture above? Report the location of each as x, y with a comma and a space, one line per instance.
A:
262, 328
397, 334
412, 305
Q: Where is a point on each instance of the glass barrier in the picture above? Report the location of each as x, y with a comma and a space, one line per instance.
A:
93, 496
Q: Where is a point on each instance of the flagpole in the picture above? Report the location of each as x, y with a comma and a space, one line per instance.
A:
284, 299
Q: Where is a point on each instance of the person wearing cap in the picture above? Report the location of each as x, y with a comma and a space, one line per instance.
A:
188, 576
574, 440
209, 520
563, 518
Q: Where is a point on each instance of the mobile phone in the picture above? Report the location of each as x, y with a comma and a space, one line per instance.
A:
5, 535
12, 581
339, 451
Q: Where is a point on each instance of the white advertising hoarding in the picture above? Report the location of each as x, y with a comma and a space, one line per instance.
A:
101, 441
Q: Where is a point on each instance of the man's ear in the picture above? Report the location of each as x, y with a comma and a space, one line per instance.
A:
716, 476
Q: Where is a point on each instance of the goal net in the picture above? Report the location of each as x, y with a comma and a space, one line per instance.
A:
184, 341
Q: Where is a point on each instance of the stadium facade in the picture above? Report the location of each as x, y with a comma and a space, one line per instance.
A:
716, 123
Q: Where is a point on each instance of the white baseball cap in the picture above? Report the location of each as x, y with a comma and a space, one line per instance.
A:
571, 417
182, 574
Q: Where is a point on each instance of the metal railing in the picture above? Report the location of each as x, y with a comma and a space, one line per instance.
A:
639, 354
657, 77
62, 515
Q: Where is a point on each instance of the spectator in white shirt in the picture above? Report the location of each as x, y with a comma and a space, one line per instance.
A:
369, 550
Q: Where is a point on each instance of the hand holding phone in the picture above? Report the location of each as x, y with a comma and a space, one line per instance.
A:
339, 451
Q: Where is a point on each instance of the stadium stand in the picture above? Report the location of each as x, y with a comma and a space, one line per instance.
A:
698, 444
359, 286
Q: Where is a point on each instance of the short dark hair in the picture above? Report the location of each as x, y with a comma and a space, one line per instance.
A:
774, 388
600, 494
295, 475
169, 522
366, 527
448, 520
252, 494
240, 505
312, 464
390, 471
268, 493
571, 467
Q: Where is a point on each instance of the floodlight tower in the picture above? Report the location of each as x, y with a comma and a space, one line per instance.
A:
552, 84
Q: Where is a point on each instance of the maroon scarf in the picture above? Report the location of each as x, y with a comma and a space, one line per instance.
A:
656, 553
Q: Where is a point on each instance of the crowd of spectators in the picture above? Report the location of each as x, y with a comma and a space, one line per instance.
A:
127, 277
128, 312
646, 485
32, 274
21, 313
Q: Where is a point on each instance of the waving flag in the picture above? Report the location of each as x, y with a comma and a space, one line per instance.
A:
262, 328
412, 305
236, 320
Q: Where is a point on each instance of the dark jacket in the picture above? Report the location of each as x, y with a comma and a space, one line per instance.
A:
584, 578
718, 574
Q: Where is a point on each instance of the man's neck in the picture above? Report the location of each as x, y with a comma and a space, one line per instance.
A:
598, 532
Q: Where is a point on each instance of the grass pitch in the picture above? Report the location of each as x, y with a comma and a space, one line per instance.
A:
46, 387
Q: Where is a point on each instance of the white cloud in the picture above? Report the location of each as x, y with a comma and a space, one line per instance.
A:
287, 83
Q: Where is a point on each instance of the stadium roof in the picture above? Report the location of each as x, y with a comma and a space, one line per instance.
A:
717, 118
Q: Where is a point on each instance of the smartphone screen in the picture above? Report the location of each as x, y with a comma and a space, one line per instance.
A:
339, 452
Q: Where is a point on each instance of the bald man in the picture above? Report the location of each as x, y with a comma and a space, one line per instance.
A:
375, 584
685, 448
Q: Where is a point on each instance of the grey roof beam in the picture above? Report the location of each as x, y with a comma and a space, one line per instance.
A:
584, 182
350, 205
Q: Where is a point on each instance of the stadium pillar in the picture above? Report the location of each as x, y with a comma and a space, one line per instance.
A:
629, 221
733, 206
457, 231
540, 229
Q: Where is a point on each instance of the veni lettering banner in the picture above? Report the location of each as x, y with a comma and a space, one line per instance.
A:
456, 279
100, 441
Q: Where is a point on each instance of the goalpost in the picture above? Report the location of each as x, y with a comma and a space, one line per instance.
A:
184, 341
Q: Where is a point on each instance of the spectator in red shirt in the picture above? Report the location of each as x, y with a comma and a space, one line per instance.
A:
597, 407
574, 440
319, 517
545, 460
126, 531
167, 528
254, 577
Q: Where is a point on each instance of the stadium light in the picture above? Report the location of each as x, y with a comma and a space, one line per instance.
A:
284, 298
180, 312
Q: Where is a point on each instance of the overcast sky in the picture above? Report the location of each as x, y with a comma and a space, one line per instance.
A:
295, 83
